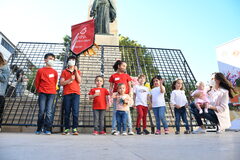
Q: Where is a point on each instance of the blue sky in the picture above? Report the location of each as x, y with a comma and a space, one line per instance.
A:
196, 27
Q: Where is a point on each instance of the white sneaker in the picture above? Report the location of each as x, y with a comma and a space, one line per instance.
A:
200, 111
220, 131
124, 133
116, 133
131, 133
205, 110
199, 131
113, 132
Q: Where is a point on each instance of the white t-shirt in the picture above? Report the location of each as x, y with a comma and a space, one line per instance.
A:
178, 97
158, 99
141, 95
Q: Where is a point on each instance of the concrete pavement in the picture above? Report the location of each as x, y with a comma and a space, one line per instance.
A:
28, 146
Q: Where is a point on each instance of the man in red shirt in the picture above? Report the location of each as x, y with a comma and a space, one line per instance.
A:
45, 83
70, 80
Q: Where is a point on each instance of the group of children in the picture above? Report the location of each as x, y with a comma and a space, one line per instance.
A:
121, 96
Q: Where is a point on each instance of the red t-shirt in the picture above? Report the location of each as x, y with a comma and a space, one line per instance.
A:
46, 80
120, 78
73, 87
99, 102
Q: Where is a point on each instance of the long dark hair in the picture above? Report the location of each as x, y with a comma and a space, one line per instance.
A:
174, 83
224, 83
155, 77
117, 63
2, 59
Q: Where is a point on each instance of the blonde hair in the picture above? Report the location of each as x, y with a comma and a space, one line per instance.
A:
200, 83
3, 60
141, 76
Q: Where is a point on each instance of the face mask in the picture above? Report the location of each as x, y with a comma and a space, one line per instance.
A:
71, 63
212, 83
50, 62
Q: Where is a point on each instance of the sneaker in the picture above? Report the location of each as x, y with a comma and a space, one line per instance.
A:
124, 133
200, 111
187, 132
205, 110
47, 132
75, 131
130, 133
158, 132
138, 131
102, 132
37, 132
116, 133
65, 132
177, 132
146, 132
166, 131
220, 131
199, 131
113, 131
95, 133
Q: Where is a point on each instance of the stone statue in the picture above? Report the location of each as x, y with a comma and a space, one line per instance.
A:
104, 12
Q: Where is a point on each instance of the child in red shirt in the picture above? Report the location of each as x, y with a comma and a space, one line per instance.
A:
70, 80
120, 77
99, 96
45, 83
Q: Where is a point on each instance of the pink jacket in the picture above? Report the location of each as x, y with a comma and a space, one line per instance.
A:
220, 99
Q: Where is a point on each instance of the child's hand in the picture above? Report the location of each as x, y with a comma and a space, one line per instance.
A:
126, 100
97, 94
75, 68
177, 106
150, 106
72, 77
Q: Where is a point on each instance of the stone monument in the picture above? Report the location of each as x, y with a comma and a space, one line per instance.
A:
108, 32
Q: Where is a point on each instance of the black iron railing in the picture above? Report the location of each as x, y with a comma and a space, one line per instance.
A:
21, 105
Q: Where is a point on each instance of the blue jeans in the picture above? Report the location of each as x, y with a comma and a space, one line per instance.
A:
114, 120
19, 89
211, 115
71, 104
129, 120
159, 113
121, 120
181, 112
45, 102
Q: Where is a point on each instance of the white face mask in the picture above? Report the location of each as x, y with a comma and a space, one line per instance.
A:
212, 83
71, 63
50, 62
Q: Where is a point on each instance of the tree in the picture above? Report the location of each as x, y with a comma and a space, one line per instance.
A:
137, 57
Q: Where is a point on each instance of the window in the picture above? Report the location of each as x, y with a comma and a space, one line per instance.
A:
6, 45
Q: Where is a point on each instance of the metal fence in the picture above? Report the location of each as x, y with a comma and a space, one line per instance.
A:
21, 106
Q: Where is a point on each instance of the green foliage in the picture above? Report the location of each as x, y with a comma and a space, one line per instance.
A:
67, 43
31, 79
137, 57
140, 61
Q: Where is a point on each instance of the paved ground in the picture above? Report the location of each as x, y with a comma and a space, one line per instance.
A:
27, 146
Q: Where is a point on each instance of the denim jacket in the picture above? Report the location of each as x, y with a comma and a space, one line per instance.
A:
4, 75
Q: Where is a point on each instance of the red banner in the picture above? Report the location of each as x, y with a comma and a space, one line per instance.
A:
82, 36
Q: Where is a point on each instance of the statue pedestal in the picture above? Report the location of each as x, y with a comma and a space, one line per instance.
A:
106, 39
